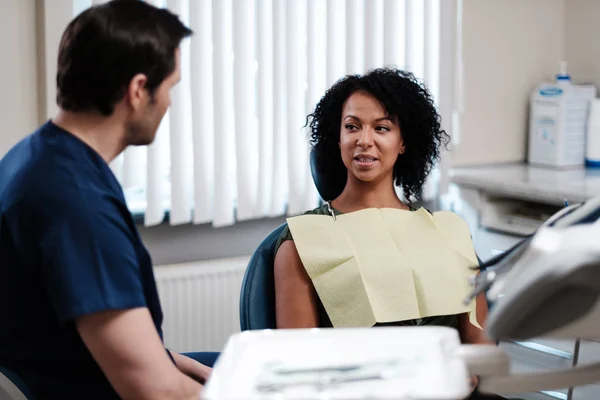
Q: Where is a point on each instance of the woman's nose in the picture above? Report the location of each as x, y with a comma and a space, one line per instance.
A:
366, 138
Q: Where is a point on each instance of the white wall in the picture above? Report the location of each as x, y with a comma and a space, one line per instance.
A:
56, 15
508, 47
18, 71
583, 40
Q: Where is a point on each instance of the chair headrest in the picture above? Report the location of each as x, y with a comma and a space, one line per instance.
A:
328, 188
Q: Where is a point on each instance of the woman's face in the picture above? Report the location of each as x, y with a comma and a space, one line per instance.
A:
369, 141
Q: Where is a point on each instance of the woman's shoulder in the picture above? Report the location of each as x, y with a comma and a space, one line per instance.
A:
322, 210
286, 234
451, 221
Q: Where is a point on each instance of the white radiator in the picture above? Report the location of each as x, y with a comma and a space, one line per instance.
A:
200, 302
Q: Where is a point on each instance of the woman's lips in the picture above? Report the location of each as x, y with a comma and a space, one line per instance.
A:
365, 161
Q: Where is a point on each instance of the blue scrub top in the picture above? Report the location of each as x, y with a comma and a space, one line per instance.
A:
68, 247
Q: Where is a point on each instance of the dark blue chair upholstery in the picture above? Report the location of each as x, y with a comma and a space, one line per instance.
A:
328, 190
257, 298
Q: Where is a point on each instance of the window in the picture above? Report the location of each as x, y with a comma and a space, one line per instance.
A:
232, 146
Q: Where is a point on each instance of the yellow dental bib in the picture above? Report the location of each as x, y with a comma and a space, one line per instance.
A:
387, 265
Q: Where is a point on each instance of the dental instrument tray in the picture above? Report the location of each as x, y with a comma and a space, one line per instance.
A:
351, 363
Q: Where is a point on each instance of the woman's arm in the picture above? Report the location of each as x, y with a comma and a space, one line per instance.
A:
295, 296
469, 333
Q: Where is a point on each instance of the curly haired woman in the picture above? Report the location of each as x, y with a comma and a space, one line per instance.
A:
369, 132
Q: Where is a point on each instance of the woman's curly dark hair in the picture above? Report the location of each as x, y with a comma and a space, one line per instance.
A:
403, 97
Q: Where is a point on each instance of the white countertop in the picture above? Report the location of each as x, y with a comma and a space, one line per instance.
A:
522, 181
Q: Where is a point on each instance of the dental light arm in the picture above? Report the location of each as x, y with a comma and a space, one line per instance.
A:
551, 286
499, 266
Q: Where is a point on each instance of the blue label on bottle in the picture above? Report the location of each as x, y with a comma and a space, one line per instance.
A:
551, 91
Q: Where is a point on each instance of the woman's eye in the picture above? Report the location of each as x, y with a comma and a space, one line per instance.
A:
351, 127
383, 128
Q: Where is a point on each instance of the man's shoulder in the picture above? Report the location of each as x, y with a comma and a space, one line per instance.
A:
37, 181
47, 196
34, 173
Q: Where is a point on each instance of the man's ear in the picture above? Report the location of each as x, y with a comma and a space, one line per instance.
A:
137, 93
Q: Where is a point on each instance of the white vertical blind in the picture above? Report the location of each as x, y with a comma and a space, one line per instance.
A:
431, 46
317, 70
233, 145
450, 101
201, 81
246, 137
355, 35
373, 37
317, 52
157, 186
394, 21
224, 129
265, 107
280, 99
296, 106
415, 35
131, 175
180, 129
336, 40
431, 75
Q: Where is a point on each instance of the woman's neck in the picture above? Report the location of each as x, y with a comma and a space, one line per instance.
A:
358, 195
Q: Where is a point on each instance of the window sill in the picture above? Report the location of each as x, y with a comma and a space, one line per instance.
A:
136, 203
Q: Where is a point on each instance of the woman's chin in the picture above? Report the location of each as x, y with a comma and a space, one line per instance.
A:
366, 176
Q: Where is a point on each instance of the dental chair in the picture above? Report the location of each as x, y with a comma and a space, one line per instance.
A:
257, 297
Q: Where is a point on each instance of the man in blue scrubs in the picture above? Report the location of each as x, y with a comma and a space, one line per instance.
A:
80, 316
